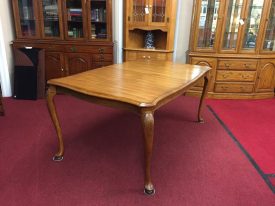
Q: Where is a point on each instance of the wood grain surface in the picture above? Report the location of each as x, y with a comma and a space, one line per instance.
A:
140, 83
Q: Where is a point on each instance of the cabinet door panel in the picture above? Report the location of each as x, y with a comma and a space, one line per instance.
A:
269, 40
99, 19
51, 23
54, 67
205, 62
232, 25
75, 19
207, 24
26, 18
158, 12
138, 16
77, 62
252, 24
266, 76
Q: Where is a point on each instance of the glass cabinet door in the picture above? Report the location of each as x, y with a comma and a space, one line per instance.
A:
232, 24
51, 21
207, 24
252, 24
74, 19
269, 40
158, 12
139, 12
99, 27
28, 19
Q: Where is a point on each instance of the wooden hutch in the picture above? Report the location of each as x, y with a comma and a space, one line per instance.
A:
76, 34
143, 16
237, 39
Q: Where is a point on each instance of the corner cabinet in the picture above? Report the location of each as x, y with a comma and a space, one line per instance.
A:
237, 39
149, 29
76, 34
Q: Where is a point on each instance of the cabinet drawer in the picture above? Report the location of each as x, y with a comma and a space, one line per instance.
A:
238, 64
233, 87
132, 56
102, 57
245, 76
89, 49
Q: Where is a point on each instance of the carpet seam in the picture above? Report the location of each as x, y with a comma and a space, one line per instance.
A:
251, 160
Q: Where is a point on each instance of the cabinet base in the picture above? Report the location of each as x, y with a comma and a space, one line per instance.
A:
213, 95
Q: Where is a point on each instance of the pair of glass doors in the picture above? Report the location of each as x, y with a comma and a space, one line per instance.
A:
237, 23
52, 18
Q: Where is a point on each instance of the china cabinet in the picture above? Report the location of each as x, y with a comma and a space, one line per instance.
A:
149, 29
237, 39
76, 34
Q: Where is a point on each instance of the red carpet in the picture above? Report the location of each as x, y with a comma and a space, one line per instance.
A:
251, 122
193, 164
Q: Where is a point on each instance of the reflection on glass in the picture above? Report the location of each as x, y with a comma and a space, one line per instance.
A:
139, 10
74, 16
232, 24
253, 23
27, 20
158, 10
98, 19
51, 18
208, 23
269, 43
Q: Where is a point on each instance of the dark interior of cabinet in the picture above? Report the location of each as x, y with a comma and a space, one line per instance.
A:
137, 39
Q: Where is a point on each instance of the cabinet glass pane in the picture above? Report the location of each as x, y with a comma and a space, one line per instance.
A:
74, 17
207, 23
269, 43
27, 18
158, 10
232, 24
51, 18
98, 19
139, 10
252, 23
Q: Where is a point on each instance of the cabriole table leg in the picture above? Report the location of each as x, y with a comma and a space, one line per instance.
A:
204, 91
147, 119
51, 93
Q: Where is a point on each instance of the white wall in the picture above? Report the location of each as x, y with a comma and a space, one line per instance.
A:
182, 33
6, 36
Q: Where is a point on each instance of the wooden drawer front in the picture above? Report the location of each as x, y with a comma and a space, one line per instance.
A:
151, 55
238, 64
102, 57
244, 76
89, 49
233, 87
132, 56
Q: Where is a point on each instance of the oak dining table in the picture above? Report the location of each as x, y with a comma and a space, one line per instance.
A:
139, 86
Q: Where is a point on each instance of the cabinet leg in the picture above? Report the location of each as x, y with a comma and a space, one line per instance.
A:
51, 93
147, 119
204, 91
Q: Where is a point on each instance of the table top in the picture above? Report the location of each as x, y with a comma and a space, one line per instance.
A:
139, 83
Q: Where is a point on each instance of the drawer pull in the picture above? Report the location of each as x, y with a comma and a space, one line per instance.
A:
245, 76
144, 57
73, 49
149, 57
227, 65
62, 69
247, 65
100, 50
